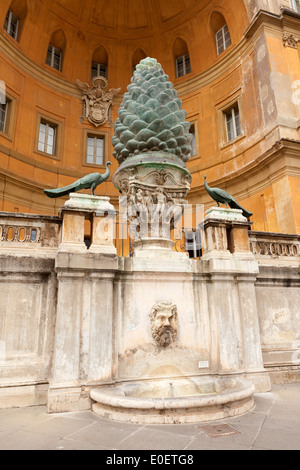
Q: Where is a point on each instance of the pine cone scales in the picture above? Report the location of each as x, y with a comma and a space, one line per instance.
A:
150, 117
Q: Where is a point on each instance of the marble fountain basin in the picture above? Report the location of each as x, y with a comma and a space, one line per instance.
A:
170, 401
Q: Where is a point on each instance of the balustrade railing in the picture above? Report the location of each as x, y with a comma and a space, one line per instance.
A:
274, 244
28, 230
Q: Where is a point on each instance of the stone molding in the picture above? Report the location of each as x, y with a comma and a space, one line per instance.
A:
255, 171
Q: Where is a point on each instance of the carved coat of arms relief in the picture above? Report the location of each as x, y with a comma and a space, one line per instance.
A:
97, 101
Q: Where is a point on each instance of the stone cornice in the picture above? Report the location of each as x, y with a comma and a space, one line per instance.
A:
286, 23
283, 149
262, 19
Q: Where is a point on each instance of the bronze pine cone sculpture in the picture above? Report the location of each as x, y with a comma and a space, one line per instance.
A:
150, 116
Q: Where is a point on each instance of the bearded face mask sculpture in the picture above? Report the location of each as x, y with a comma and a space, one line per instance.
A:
164, 323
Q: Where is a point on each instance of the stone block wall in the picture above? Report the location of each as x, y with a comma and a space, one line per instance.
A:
70, 321
277, 290
28, 297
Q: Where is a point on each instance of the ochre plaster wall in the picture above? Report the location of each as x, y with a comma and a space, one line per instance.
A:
260, 168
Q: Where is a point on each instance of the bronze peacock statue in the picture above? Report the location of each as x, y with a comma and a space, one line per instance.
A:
90, 181
223, 197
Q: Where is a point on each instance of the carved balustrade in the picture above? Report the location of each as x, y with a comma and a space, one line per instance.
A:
28, 230
274, 244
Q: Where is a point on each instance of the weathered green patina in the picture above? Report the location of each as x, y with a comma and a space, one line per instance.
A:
150, 117
152, 144
223, 197
90, 181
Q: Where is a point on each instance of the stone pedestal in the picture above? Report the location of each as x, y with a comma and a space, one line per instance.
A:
73, 231
225, 231
97, 209
156, 248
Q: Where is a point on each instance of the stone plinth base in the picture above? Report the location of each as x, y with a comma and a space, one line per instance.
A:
68, 399
156, 247
88, 203
260, 379
221, 213
23, 395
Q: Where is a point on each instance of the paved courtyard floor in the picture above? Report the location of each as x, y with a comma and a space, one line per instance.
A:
274, 424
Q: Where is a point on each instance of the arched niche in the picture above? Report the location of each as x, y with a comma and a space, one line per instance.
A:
58, 39
217, 21
99, 65
137, 56
220, 31
20, 9
181, 57
56, 48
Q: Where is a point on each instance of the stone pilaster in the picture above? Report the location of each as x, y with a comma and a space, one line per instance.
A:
84, 317
84, 331
235, 336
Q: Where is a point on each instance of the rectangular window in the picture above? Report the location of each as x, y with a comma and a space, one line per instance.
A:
223, 39
183, 65
232, 121
98, 70
7, 111
3, 116
47, 137
54, 57
295, 4
95, 150
11, 24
